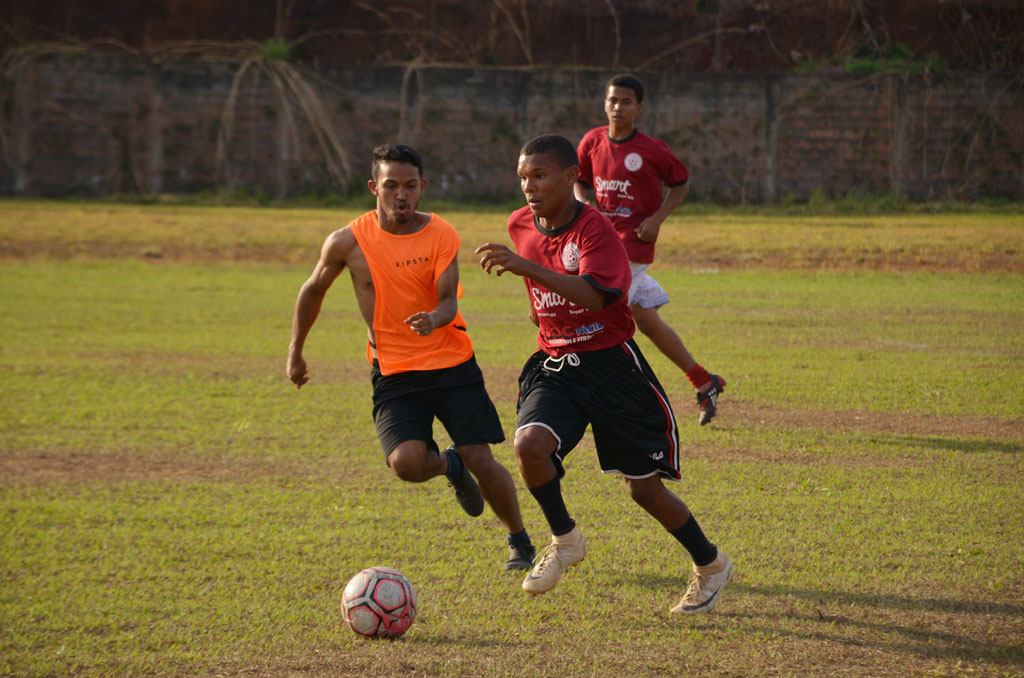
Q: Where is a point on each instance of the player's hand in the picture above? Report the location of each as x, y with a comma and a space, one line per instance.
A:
648, 230
296, 370
421, 323
500, 259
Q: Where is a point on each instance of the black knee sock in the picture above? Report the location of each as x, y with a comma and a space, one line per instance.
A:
549, 496
692, 537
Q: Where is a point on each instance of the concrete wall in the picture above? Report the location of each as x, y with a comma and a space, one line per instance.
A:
102, 125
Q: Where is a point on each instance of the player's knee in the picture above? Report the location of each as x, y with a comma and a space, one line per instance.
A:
476, 456
534, 443
407, 464
644, 492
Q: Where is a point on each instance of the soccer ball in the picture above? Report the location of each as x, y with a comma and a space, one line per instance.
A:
379, 602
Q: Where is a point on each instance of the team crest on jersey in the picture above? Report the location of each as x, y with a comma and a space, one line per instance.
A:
571, 257
633, 162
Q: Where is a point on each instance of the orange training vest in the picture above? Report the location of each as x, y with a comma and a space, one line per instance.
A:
405, 269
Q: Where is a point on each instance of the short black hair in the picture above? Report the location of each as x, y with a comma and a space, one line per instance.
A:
395, 153
558, 147
627, 80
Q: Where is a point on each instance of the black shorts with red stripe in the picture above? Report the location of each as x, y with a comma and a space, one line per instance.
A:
613, 390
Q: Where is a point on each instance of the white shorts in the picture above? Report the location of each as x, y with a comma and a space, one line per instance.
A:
645, 290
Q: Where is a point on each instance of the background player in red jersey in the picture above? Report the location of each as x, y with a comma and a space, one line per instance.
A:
627, 170
589, 371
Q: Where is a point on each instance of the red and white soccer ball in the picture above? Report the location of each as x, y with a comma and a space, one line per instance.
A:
379, 602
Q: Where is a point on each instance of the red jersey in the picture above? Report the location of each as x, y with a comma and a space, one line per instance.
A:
627, 178
586, 246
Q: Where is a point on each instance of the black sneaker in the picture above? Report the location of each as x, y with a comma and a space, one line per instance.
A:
520, 557
467, 492
708, 402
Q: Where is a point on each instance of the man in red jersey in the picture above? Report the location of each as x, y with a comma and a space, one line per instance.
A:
627, 170
589, 371
405, 273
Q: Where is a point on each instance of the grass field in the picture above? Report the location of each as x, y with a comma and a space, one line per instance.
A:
172, 506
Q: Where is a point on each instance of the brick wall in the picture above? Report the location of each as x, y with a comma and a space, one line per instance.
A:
103, 125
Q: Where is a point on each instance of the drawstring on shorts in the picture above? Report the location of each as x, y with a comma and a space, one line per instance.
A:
553, 364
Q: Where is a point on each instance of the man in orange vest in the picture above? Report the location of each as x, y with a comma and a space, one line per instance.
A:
405, 272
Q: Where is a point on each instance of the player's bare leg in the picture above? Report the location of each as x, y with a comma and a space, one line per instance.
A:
665, 506
496, 484
715, 570
413, 462
498, 489
534, 446
662, 336
666, 340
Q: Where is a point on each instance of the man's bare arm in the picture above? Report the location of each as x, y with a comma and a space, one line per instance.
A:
650, 227
580, 191
307, 307
500, 259
425, 322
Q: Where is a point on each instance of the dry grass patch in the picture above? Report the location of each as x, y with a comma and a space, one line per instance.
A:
35, 467
969, 242
738, 412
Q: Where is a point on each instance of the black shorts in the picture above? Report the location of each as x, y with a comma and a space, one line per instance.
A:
405, 405
615, 391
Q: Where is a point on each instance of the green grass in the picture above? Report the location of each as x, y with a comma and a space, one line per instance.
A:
960, 240
172, 506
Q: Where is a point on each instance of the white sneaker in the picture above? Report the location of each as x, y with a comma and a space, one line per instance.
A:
562, 553
705, 585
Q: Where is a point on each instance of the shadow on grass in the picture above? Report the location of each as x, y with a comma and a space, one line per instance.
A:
884, 636
957, 445
870, 620
874, 621
888, 601
656, 582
